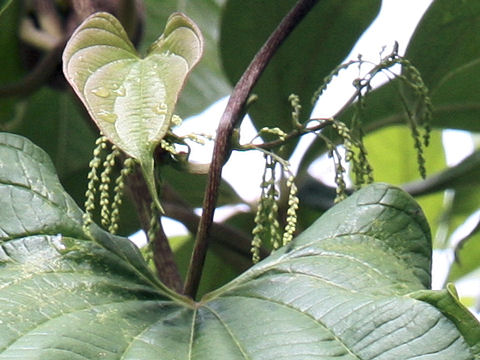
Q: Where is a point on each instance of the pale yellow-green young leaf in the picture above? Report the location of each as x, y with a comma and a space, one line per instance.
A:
130, 98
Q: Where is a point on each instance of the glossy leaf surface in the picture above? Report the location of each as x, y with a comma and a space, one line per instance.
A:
392, 154
131, 99
352, 286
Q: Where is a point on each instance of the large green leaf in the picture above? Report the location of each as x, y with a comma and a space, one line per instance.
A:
353, 286
35, 204
319, 44
446, 40
395, 161
101, 64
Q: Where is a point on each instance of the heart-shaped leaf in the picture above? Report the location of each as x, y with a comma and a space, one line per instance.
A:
353, 286
131, 99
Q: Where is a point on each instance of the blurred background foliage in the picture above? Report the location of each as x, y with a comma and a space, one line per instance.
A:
35, 102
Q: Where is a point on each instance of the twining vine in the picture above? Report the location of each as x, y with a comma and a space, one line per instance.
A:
418, 115
230, 118
277, 176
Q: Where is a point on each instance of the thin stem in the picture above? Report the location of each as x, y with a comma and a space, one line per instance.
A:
164, 260
223, 234
291, 135
37, 77
229, 119
386, 62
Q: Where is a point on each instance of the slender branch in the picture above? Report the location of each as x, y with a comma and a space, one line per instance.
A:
37, 77
163, 258
222, 234
223, 237
385, 63
291, 135
229, 119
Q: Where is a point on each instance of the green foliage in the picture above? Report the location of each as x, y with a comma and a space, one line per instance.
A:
445, 52
67, 134
354, 285
443, 49
306, 57
416, 104
4, 4
54, 275
111, 80
109, 208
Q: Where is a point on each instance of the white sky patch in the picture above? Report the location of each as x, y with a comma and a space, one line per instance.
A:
469, 287
204, 123
441, 261
171, 227
244, 169
458, 145
396, 22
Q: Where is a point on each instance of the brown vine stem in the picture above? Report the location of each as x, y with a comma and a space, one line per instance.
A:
167, 269
230, 117
38, 76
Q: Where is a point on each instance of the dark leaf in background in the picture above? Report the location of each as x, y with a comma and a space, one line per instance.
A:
318, 45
